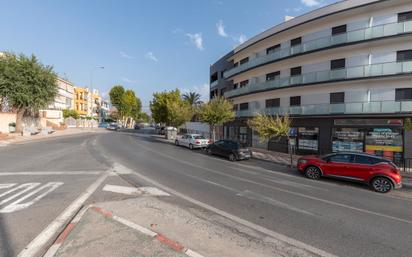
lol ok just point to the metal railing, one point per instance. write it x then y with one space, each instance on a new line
406 165
362 71
340 108
359 35
214 83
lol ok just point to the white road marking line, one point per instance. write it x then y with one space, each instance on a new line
152 191
33 248
5 186
26 187
135 226
283 190
191 253
42 173
246 223
17 205
258 197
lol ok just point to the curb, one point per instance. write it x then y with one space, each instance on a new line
65 233
159 237
51 252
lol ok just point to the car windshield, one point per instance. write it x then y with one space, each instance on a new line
200 137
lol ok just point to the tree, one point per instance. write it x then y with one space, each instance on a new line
27 85
269 126
192 98
70 113
170 109
127 104
216 112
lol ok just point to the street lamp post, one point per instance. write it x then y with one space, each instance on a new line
91 88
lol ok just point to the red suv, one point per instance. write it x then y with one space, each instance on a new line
381 174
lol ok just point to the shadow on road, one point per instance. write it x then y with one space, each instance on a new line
6 249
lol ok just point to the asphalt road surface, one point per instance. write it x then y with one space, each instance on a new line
340 218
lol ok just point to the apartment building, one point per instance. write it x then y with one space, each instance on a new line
81 101
65 95
342 72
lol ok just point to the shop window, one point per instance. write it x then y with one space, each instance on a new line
347 139
243 106
403 56
270 103
273 76
338 30
405 16
295 41
337 64
402 94
244 60
295 71
337 98
243 83
273 49
308 139
295 101
385 142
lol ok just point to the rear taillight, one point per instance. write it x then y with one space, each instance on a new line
197 142
209 141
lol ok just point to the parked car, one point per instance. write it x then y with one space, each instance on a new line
381 174
193 141
113 126
136 126
229 149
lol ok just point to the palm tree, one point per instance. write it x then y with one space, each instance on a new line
192 98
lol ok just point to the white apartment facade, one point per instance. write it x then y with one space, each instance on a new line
342 72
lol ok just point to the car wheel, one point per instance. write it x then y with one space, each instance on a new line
313 172
232 157
190 146
177 142
381 185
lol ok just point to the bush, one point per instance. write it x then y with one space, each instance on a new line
70 113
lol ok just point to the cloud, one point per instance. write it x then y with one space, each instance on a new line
202 89
295 9
151 56
311 3
196 39
129 81
240 39
125 55
221 29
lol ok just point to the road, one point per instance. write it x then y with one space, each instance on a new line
337 217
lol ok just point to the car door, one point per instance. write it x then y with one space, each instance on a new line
362 167
218 147
183 140
337 164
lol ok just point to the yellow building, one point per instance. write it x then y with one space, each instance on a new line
81 101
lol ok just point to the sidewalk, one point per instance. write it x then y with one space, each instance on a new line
6 139
153 227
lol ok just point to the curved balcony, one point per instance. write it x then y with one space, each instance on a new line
360 35
356 72
378 107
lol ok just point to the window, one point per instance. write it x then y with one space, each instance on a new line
273 49
243 83
272 102
345 158
244 106
405 16
336 98
338 30
235 107
222 73
214 77
296 71
236 64
362 159
403 94
273 75
222 91
235 86
337 64
402 56
295 101
244 60
296 41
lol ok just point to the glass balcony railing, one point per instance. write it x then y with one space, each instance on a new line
329 109
214 83
384 30
363 71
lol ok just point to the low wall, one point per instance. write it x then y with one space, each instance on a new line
5 119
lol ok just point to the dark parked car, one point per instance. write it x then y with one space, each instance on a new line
229 149
113 126
381 174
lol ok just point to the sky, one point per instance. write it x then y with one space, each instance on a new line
145 45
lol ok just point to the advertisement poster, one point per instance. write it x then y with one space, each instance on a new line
308 139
